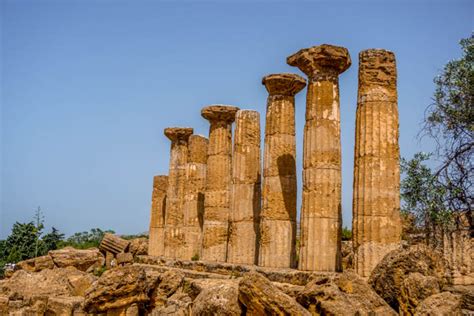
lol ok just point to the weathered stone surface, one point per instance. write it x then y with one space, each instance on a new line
194 195
347 254
415 288
174 218
113 244
138 246
216 298
82 259
179 304
36 264
261 297
246 189
64 305
168 283
117 288
218 184
156 242
444 303
376 221
342 294
321 219
24 285
278 223
388 276
124 258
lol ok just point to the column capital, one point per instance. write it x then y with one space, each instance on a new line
377 67
178 133
219 112
283 84
160 182
321 60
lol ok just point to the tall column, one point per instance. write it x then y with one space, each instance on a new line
218 184
246 190
278 219
174 219
376 202
321 219
194 195
156 245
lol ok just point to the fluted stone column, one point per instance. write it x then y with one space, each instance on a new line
174 218
194 195
156 244
278 219
246 190
376 202
219 180
321 219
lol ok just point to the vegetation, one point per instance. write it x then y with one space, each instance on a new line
346 233
434 195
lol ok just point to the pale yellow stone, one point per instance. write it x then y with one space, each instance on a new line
156 244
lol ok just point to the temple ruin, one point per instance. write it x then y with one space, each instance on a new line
217 205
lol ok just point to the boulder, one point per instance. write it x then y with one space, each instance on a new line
444 303
216 297
64 305
24 285
178 304
167 284
261 297
82 259
347 253
342 294
138 246
117 288
388 276
36 264
415 288
124 258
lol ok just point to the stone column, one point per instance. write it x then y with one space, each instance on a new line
174 219
194 196
321 219
218 184
246 190
376 220
156 245
278 219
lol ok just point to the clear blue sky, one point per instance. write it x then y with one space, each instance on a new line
89 86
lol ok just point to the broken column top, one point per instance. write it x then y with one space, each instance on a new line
197 149
321 59
219 112
283 84
160 182
178 133
377 67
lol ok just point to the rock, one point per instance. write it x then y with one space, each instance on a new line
387 278
64 305
444 303
3 305
467 295
138 246
342 294
117 288
82 259
216 297
179 304
168 284
261 297
36 264
415 288
124 258
347 253
24 285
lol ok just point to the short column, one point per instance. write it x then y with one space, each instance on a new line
156 245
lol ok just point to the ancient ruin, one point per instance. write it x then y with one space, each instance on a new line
196 169
174 218
217 196
321 218
278 219
246 190
156 245
376 198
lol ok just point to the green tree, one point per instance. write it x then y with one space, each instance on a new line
52 240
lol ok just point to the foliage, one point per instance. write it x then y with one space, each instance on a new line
53 240
433 195
346 233
84 240
195 257
130 237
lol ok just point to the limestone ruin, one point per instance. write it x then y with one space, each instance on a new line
376 198
219 209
